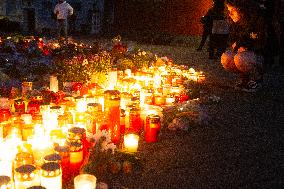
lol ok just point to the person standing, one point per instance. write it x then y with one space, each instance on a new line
62 10
207 27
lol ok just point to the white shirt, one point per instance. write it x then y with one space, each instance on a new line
63 10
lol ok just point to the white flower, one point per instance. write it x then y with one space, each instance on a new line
97 136
111 146
104 146
106 135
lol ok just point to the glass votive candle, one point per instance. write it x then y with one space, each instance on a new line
64 152
131 142
51 175
27 118
85 181
201 78
6 182
152 128
26 176
76 153
23 158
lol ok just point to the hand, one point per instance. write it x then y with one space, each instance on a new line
234 45
241 49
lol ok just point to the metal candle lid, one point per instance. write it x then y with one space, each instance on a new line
5 182
112 94
75 146
52 158
25 172
94 107
50 169
76 133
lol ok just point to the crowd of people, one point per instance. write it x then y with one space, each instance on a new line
247 36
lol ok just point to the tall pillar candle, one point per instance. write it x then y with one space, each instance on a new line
53 82
112 112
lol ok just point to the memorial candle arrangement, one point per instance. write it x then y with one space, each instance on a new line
126 109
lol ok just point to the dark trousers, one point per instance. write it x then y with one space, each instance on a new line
218 43
62 26
205 34
281 48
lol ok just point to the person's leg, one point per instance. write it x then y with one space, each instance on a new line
281 48
205 34
222 44
211 46
58 29
65 29
251 68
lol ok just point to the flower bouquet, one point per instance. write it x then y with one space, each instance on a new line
107 161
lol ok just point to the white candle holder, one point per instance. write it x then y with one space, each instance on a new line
51 175
131 142
85 181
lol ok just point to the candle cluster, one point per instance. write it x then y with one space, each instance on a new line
43 144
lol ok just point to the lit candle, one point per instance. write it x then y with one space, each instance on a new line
76 153
112 78
6 182
81 105
201 77
27 118
85 181
51 175
131 142
64 152
41 146
26 176
112 112
53 83
128 72
152 128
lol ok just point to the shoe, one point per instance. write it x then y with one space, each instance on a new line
252 86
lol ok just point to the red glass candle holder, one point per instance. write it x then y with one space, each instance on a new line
152 128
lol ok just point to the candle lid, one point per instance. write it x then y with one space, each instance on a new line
25 169
50 169
62 149
52 157
77 130
112 94
94 107
25 172
78 98
75 146
5 180
55 107
36 187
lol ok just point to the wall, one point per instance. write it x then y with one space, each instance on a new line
166 16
